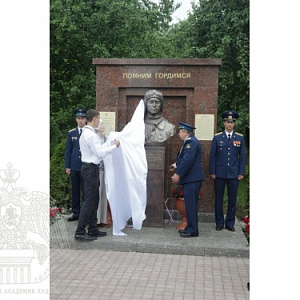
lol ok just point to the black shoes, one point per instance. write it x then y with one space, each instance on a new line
90 236
187 235
98 233
230 228
85 237
181 231
71 219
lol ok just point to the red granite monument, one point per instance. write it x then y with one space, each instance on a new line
190 93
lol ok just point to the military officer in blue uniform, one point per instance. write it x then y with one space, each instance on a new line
190 175
73 163
227 163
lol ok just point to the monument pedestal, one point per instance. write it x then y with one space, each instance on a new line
155 186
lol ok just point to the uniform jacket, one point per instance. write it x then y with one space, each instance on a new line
227 159
189 161
72 152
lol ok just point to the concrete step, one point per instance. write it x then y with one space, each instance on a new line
165 240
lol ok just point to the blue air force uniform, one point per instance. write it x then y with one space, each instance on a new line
227 161
73 162
191 176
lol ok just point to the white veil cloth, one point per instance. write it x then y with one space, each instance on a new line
126 174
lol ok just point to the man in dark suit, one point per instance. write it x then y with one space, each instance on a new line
73 163
227 164
190 175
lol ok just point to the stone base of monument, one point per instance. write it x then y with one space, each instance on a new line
155 186
202 217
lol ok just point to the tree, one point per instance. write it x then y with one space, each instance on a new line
81 30
220 29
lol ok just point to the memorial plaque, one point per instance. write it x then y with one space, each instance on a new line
204 124
109 121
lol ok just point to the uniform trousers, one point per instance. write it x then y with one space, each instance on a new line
232 188
77 184
191 196
88 212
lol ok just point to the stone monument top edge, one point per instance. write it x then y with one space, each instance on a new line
158 61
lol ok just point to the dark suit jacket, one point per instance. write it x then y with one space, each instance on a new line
72 152
189 161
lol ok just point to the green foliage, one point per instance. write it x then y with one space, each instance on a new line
81 30
60 185
243 193
220 29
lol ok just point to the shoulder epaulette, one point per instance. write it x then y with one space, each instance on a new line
239 134
72 130
219 133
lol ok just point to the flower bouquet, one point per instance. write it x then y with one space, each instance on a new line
178 192
246 227
55 214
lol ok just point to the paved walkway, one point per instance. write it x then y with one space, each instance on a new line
152 263
115 275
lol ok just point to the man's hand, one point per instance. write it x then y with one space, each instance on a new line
213 176
240 177
175 178
117 143
171 168
68 171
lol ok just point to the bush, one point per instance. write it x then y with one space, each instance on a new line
60 184
243 194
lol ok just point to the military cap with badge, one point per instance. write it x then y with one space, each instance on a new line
186 126
79 112
230 116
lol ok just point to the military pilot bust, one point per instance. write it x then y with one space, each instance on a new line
157 129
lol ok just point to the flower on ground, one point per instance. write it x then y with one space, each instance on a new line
246 228
55 213
178 192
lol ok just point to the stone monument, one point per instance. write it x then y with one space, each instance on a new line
190 92
157 131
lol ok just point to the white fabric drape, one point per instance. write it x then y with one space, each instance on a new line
126 174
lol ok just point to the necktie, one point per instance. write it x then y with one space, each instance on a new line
80 132
228 137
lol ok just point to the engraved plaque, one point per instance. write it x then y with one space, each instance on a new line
155 158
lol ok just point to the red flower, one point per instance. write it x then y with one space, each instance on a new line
178 192
55 211
246 219
248 228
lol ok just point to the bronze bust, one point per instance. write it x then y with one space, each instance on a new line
157 129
